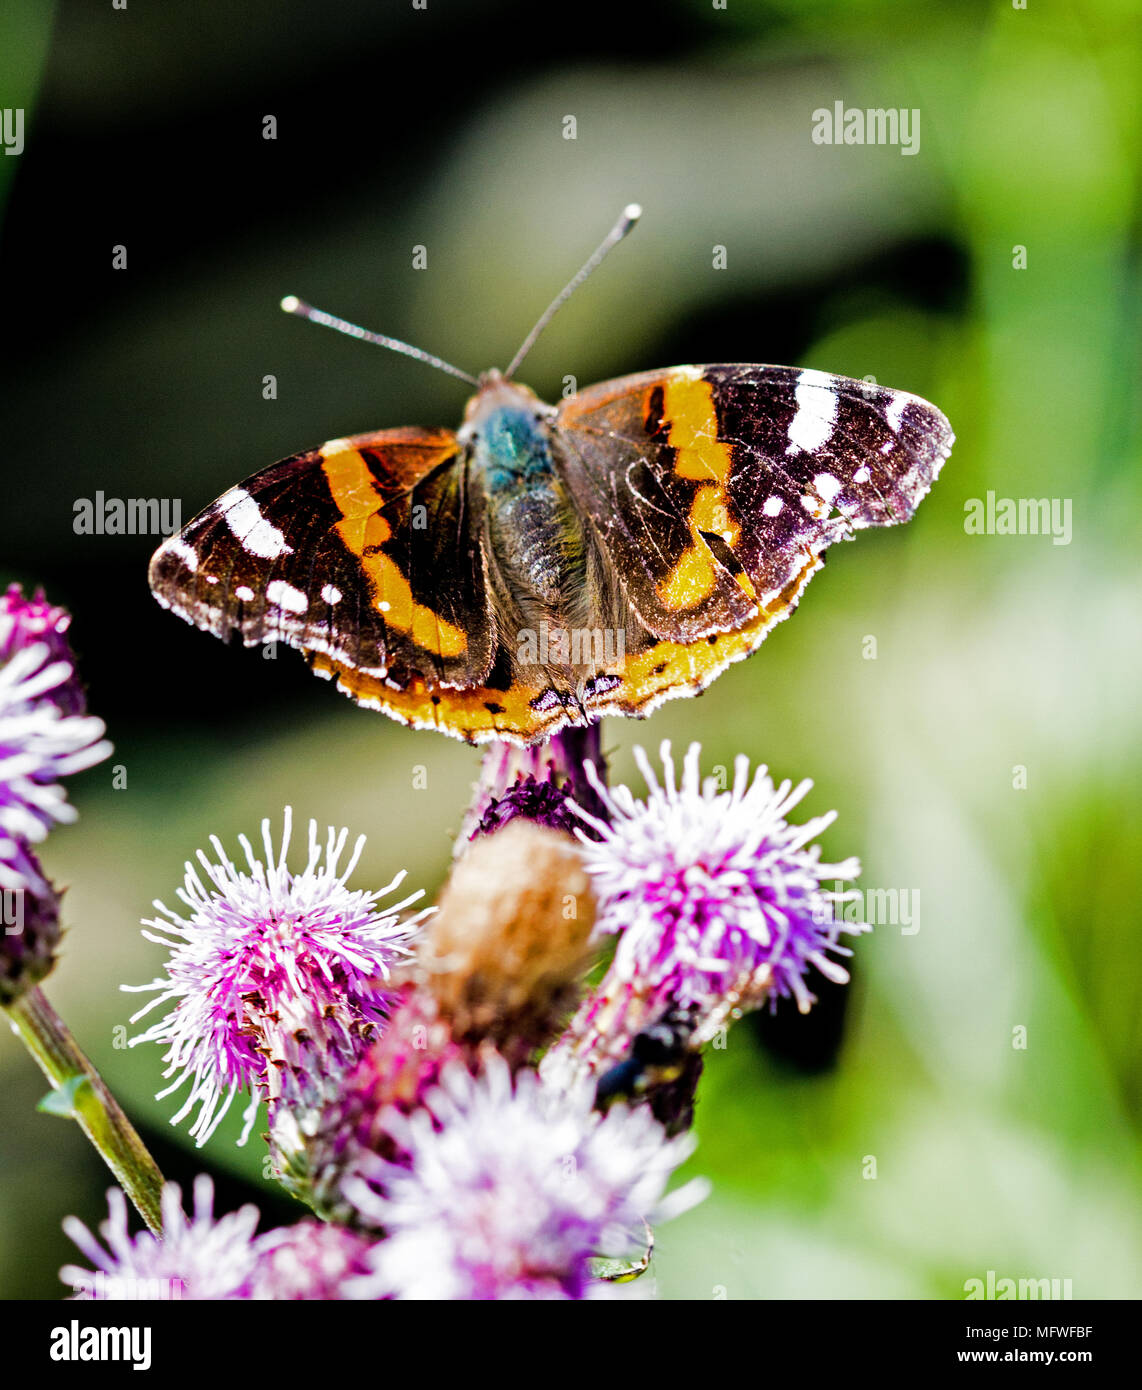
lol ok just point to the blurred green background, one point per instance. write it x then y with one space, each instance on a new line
444 128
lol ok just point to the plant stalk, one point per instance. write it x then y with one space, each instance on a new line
99 1114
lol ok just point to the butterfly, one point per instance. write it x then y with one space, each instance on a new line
543 566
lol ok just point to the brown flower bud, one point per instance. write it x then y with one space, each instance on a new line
499 968
505 954
29 926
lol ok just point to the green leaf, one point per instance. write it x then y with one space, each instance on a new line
63 1100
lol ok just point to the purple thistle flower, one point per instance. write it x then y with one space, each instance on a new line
714 895
545 802
21 870
507 1189
537 783
200 1258
311 1259
26 622
43 735
276 978
212 1258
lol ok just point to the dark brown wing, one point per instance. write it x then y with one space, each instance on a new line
363 554
713 487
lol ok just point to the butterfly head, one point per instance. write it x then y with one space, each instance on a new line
496 400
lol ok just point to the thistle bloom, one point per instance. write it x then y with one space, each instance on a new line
714 894
499 968
543 801
276 978
25 622
309 1260
43 733
507 1188
212 1258
199 1258
317 1152
538 784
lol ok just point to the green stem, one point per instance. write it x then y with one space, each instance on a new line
100 1116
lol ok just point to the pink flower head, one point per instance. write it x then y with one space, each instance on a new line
276 978
43 733
311 1259
201 1258
508 1186
714 893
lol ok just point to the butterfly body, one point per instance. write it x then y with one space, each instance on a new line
543 566
535 540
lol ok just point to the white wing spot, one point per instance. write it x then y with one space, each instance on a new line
244 593
177 546
384 605
812 426
895 411
284 595
331 594
862 475
827 486
772 506
246 522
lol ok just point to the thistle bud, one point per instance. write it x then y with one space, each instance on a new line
498 971
504 955
29 924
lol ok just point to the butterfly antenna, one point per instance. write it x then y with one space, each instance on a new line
628 217
292 305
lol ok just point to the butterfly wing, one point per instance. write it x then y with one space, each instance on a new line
362 554
716 491
709 493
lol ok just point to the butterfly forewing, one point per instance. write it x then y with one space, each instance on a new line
362 551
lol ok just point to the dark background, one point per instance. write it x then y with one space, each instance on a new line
443 128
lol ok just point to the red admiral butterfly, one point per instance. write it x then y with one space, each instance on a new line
543 565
